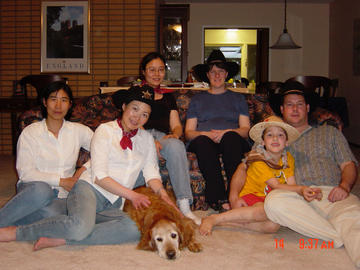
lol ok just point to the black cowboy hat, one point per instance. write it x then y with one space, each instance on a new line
217 58
296 88
144 93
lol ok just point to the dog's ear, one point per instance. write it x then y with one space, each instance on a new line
146 242
186 232
181 233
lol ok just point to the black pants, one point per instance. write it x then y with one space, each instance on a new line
232 147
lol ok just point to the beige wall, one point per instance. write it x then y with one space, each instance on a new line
307 23
342 15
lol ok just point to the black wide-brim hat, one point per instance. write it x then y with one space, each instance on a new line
276 100
216 57
143 93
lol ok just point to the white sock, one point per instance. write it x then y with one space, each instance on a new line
185 209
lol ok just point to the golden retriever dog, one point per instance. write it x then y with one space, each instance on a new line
162 228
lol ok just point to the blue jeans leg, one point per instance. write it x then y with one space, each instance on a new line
82 204
79 228
29 198
117 231
140 181
174 152
113 226
55 208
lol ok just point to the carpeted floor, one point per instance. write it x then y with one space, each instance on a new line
226 249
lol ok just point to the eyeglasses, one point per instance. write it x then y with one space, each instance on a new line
153 70
220 72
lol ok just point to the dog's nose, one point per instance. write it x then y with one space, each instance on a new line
171 254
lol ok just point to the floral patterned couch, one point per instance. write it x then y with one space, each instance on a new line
96 109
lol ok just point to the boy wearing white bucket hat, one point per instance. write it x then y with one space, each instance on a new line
269 166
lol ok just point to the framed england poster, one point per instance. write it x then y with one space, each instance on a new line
65 36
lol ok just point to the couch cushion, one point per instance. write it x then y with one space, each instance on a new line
94 110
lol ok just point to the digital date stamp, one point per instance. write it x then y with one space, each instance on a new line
314 243
310 243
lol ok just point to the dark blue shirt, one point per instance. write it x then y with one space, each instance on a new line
217 111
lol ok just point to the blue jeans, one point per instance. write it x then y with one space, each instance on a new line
33 201
174 152
78 227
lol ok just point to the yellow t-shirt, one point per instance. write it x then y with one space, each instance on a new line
259 172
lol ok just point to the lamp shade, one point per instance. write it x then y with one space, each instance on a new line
285 42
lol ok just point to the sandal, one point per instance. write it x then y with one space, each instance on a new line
223 209
219 206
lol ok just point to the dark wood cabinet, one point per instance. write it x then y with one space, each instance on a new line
172 41
15 106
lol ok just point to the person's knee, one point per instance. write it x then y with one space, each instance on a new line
174 147
82 188
202 144
234 140
81 219
274 203
231 135
202 140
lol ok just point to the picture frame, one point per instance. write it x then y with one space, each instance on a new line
65 33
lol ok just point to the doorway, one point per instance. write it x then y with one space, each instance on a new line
248 47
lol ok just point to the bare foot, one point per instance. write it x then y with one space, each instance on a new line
8 234
206 225
45 242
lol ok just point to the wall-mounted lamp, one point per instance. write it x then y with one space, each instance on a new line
285 41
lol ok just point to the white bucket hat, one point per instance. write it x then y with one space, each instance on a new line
257 131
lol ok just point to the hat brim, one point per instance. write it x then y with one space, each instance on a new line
201 70
124 96
119 98
257 131
311 98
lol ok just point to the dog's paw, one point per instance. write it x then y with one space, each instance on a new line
195 247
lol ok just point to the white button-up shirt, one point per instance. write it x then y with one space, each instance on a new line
108 159
43 157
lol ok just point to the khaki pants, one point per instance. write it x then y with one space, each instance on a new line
338 222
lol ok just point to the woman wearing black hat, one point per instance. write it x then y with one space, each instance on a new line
217 123
120 149
165 126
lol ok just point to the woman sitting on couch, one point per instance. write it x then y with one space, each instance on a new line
165 126
217 123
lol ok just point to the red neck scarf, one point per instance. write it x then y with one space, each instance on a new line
158 89
125 141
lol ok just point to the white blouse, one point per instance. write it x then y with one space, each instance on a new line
43 157
108 159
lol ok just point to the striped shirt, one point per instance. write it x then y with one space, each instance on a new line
318 153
